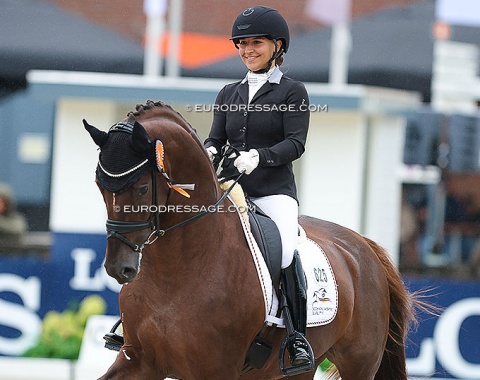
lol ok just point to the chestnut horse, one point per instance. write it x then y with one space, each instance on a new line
191 303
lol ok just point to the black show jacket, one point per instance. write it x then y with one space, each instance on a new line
275 123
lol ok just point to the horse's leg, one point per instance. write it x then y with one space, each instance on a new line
355 362
358 354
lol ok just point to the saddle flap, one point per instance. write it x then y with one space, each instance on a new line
266 233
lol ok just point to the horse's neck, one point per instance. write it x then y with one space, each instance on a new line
216 220
200 239
205 249
188 161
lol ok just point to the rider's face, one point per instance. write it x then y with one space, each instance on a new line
256 52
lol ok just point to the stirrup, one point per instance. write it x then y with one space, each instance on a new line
295 370
114 341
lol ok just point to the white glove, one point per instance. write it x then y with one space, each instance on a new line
211 151
247 161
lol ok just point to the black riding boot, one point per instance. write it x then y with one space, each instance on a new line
294 287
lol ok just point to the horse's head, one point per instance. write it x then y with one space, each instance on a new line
132 177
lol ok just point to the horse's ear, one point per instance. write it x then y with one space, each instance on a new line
140 140
98 136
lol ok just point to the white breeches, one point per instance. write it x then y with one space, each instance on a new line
284 212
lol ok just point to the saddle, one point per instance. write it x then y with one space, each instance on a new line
268 239
263 228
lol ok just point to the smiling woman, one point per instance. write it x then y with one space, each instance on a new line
261 35
256 52
268 141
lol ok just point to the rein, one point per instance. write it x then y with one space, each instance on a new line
117 228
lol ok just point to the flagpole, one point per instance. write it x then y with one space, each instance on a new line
337 14
175 26
155 12
341 43
339 53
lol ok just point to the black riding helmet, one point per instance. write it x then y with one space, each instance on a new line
261 21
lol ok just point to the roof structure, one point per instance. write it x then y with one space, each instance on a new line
38 35
391 48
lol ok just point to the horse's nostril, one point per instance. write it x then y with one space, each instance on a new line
129 273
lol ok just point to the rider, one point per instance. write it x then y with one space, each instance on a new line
265 117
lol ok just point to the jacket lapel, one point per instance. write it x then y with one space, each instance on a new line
243 92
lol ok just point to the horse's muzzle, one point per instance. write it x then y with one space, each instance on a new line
123 271
124 264
124 274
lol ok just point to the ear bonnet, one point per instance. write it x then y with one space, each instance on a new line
126 154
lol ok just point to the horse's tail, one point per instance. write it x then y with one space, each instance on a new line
402 313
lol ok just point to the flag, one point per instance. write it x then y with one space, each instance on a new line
458 12
328 12
155 8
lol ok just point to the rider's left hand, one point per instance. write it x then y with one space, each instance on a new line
247 161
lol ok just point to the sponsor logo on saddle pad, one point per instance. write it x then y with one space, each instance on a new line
322 295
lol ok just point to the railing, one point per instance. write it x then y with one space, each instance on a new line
38 243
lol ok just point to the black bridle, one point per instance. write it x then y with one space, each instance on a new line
118 228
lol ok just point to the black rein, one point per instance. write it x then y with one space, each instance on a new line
117 228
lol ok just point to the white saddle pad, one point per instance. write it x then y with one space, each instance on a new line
322 294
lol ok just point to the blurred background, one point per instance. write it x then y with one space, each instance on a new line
393 151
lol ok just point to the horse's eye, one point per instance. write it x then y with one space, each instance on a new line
143 190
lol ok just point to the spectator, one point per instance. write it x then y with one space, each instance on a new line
12 224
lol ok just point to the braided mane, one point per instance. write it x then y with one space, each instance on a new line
162 109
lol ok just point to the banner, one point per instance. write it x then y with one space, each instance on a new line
155 8
328 12
458 12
